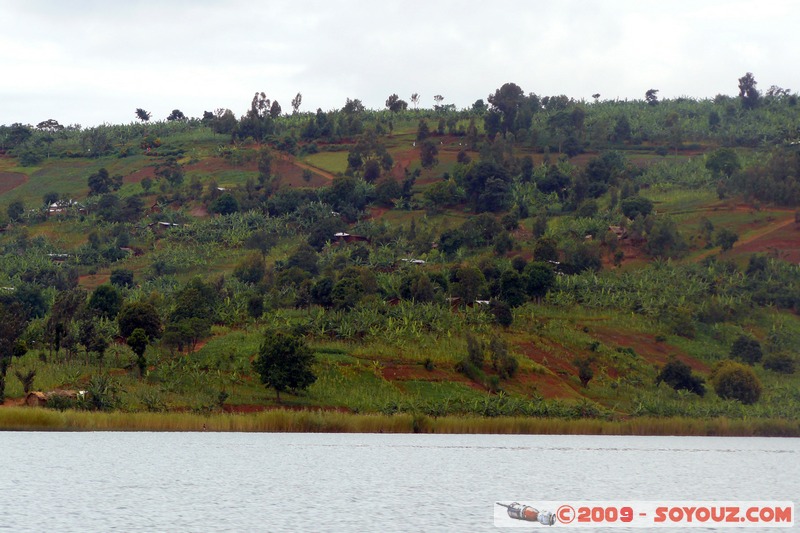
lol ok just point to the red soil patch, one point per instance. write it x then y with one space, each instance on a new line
402 161
416 372
783 242
199 211
92 282
11 180
646 346
376 212
13 402
210 165
138 175
399 372
549 385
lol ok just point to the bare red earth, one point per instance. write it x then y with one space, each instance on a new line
11 180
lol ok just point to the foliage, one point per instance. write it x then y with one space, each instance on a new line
284 363
746 349
139 315
635 206
737 382
678 375
782 363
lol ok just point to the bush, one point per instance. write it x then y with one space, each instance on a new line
735 381
466 367
585 371
746 349
635 206
503 363
782 363
678 375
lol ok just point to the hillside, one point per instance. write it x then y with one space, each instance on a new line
535 256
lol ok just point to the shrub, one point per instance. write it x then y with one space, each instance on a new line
585 371
782 363
746 349
503 362
475 349
103 392
466 367
736 381
678 375
635 206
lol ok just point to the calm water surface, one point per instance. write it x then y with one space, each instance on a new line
92 482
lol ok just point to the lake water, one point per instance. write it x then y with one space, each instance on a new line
93 482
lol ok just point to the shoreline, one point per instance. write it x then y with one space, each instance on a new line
316 421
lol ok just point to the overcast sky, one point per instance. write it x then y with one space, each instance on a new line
88 62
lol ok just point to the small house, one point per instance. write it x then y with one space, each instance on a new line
346 237
62 207
36 399
619 231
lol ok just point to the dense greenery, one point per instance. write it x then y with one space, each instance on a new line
531 256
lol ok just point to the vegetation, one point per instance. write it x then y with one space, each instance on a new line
529 257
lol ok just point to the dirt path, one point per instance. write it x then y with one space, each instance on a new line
753 236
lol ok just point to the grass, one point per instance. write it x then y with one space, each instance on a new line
316 421
334 162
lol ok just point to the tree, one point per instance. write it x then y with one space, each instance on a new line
261 240
225 205
415 100
734 381
138 342
106 301
142 115
678 375
746 349
512 288
15 210
651 96
122 277
748 93
171 170
284 363
539 278
502 313
428 153
438 99
13 322
296 101
102 183
585 371
26 378
275 109
176 114
264 166
506 103
395 104
723 163
469 283
250 269
664 239
142 315
487 186
634 206
725 238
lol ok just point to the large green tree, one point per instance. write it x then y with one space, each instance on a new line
748 93
142 315
284 363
